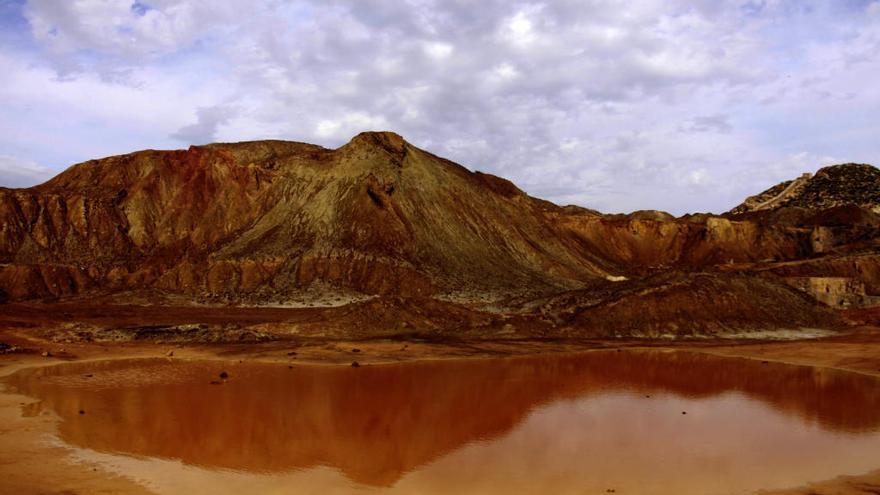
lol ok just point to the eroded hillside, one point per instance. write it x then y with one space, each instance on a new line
273 222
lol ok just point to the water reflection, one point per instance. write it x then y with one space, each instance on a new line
377 423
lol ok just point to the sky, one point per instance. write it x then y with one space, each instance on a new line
683 106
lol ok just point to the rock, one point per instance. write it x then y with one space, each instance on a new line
215 382
291 353
46 354
224 375
355 364
355 350
169 353
837 292
81 411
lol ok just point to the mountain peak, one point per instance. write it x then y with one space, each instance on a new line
847 169
390 141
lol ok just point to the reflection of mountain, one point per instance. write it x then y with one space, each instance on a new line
378 422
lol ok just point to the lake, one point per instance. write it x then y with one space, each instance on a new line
639 422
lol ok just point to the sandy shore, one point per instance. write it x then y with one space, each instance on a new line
29 451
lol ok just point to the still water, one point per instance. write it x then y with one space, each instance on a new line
633 422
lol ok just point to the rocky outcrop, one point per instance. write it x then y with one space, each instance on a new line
864 268
838 292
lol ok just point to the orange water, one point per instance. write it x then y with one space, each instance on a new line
556 424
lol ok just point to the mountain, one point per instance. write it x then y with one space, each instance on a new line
264 219
850 184
296 224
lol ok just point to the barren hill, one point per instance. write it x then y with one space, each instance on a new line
287 223
265 219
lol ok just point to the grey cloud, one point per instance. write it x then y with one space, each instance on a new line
709 123
204 130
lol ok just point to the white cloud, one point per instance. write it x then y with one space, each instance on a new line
204 130
123 27
697 177
519 29
438 50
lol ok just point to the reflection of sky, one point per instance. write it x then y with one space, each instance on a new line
687 105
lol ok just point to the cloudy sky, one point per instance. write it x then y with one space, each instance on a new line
645 104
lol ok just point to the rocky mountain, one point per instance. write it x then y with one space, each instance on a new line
297 224
850 184
265 219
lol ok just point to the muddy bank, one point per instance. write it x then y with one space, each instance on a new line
33 461
867 484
